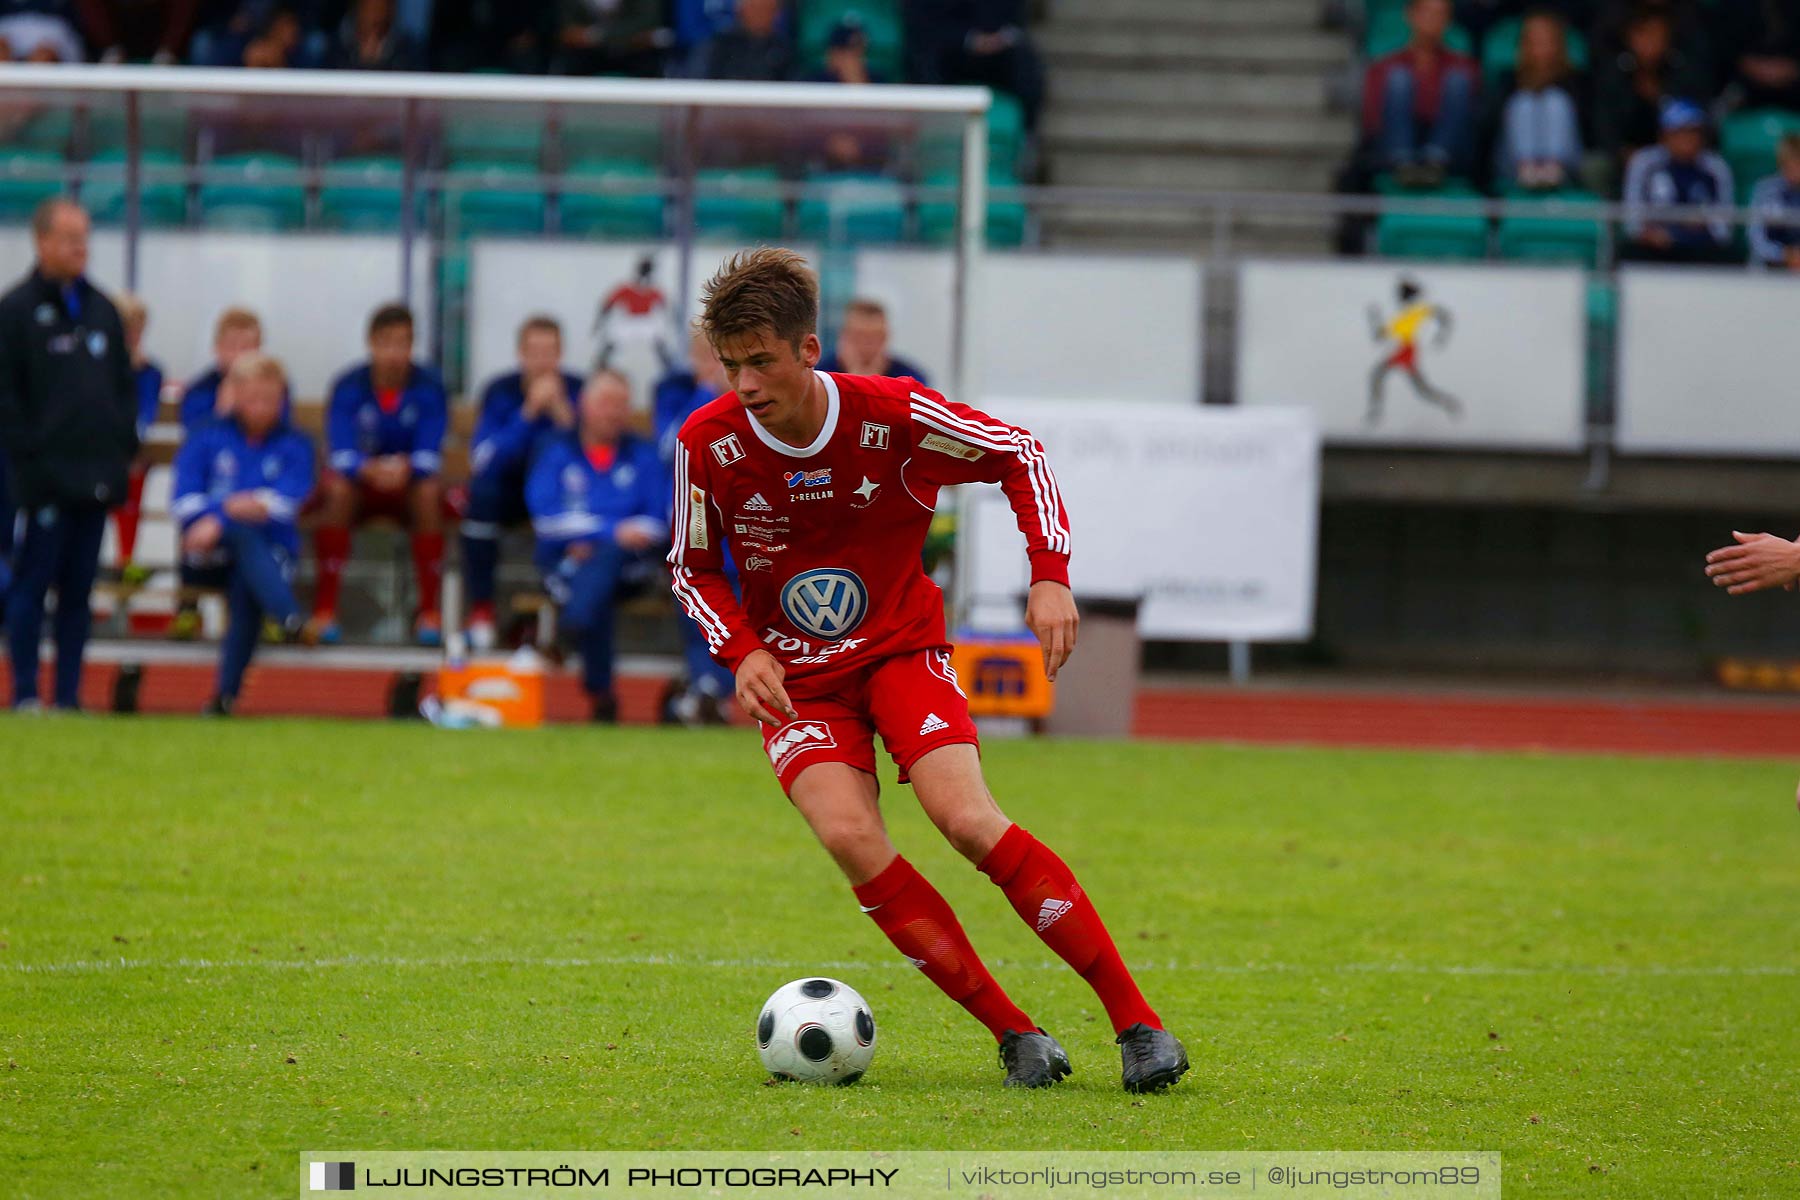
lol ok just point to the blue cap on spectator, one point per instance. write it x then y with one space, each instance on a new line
1680 114
847 32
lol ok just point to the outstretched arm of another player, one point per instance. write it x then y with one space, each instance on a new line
1050 615
1756 562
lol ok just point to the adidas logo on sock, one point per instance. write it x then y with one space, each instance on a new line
1051 911
756 503
932 724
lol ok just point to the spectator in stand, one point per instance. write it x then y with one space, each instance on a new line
756 48
1631 85
129 30
68 424
520 411
1538 136
846 55
39 31
263 33
239 485
699 698
370 39
862 345
1776 200
148 378
1679 173
492 35
612 37
1761 43
976 41
1419 102
384 427
1479 16
599 503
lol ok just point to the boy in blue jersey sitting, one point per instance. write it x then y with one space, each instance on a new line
238 331
239 484
520 411
385 432
599 504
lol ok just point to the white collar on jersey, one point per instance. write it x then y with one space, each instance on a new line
819 443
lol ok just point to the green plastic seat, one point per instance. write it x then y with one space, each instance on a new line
637 142
880 21
259 191
49 129
737 203
941 150
1006 214
475 143
627 213
1562 230
1388 32
853 208
162 198
1748 139
364 194
158 129
1431 235
27 178
479 200
1500 49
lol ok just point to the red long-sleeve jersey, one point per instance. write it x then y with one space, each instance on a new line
828 538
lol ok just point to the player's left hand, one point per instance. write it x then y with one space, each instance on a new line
1758 561
1050 615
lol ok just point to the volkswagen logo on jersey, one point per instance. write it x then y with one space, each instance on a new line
828 602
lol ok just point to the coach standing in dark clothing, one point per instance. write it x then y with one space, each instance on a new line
68 428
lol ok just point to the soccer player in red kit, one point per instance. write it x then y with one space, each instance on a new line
822 488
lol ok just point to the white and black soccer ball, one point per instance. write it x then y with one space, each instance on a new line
816 1031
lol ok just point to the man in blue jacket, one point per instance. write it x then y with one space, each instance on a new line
384 429
520 411
599 505
239 484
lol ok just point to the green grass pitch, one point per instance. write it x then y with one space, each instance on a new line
222 945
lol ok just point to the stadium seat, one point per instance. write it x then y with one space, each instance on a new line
158 129
48 130
1389 32
941 150
478 200
259 191
1006 214
472 143
880 21
1500 49
726 207
852 208
1431 235
638 142
28 177
364 194
618 214
1563 229
1748 139
162 198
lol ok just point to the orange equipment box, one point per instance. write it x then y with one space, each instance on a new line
1004 677
513 694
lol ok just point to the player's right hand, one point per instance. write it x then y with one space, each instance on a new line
759 689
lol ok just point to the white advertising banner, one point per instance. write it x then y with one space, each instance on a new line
1416 354
1708 362
314 293
1208 515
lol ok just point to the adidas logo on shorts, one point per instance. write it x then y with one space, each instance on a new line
1051 911
756 503
932 724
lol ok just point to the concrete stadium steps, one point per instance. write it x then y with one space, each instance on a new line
1199 95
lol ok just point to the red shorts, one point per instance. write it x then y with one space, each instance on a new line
373 503
1406 357
911 700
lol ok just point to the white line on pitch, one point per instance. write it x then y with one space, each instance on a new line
105 965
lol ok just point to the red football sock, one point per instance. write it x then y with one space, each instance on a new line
920 924
1044 892
127 514
331 546
428 565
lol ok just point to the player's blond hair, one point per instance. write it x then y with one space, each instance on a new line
236 318
767 288
255 366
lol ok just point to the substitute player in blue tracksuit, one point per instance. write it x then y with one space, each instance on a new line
678 395
599 505
520 411
239 484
